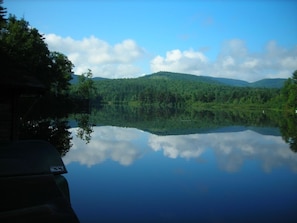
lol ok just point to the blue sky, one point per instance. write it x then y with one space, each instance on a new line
247 40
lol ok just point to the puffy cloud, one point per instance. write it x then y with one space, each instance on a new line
103 59
188 61
233 61
228 61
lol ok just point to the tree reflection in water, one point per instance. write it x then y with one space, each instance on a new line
288 128
84 127
168 121
160 121
53 131
49 121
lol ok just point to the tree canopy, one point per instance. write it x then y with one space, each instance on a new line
173 93
289 92
24 53
2 14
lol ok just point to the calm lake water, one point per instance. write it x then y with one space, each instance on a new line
228 174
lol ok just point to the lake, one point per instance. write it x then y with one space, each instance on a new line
220 173
156 164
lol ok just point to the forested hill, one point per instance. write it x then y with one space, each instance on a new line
173 89
264 83
163 75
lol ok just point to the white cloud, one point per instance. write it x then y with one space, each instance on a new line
228 61
250 63
177 61
234 60
105 60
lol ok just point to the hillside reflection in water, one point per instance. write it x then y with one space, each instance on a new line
231 175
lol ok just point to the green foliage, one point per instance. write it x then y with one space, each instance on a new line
271 83
61 69
85 88
2 15
25 56
26 48
181 92
265 83
289 92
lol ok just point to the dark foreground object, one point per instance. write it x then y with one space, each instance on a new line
32 188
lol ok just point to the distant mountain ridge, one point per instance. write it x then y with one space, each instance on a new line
264 83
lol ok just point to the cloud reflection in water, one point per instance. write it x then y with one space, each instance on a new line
231 150
117 144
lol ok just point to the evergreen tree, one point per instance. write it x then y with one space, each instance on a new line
2 15
289 92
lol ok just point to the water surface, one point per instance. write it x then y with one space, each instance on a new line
231 174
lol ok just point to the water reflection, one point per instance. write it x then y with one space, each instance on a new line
121 145
53 130
230 149
181 167
228 175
